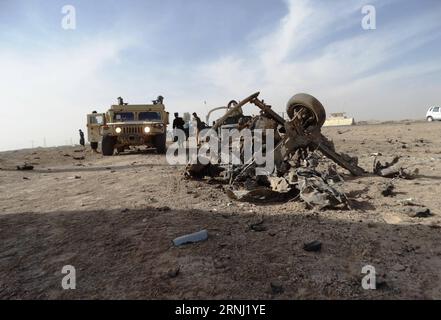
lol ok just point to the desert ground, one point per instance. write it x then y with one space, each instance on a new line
114 219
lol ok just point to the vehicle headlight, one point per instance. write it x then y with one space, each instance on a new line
147 129
118 130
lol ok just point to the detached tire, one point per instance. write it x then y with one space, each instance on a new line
306 101
108 145
160 143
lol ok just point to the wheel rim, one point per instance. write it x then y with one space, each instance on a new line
305 114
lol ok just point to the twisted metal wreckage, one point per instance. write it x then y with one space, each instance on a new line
296 142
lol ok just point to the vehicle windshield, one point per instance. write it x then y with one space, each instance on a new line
123 116
149 116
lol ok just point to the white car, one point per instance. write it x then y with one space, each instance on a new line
434 113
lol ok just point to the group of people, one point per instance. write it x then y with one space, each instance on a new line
179 124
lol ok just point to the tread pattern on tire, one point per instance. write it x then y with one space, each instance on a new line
308 102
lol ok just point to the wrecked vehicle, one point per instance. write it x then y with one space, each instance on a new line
297 142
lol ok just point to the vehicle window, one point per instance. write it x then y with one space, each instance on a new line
98 119
148 116
123 116
436 109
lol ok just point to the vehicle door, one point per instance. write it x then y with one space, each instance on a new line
94 122
436 111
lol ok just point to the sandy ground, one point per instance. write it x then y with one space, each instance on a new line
114 219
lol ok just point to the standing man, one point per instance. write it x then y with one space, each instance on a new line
178 124
81 137
198 126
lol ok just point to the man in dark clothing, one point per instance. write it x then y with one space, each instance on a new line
81 137
178 124
159 100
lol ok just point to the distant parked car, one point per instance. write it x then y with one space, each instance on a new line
434 113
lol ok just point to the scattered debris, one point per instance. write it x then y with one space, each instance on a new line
388 190
417 212
191 238
79 158
163 209
316 192
392 169
25 167
297 143
313 246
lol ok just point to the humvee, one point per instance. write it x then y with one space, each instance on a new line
125 125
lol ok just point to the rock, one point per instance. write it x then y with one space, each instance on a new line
407 202
191 238
398 267
163 209
125 210
258 227
25 167
313 246
388 190
79 158
173 272
380 283
276 287
25 178
417 212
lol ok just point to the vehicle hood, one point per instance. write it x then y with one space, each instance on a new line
133 123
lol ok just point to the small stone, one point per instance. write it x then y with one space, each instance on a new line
173 273
258 227
313 246
276 287
417 212
398 267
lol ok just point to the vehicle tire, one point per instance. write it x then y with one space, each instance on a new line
315 115
108 145
94 146
160 143
430 119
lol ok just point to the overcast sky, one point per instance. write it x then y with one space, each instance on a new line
211 50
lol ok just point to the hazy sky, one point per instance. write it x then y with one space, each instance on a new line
211 50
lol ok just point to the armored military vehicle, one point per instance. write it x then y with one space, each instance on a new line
125 125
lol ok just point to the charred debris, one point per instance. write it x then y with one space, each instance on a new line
300 151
